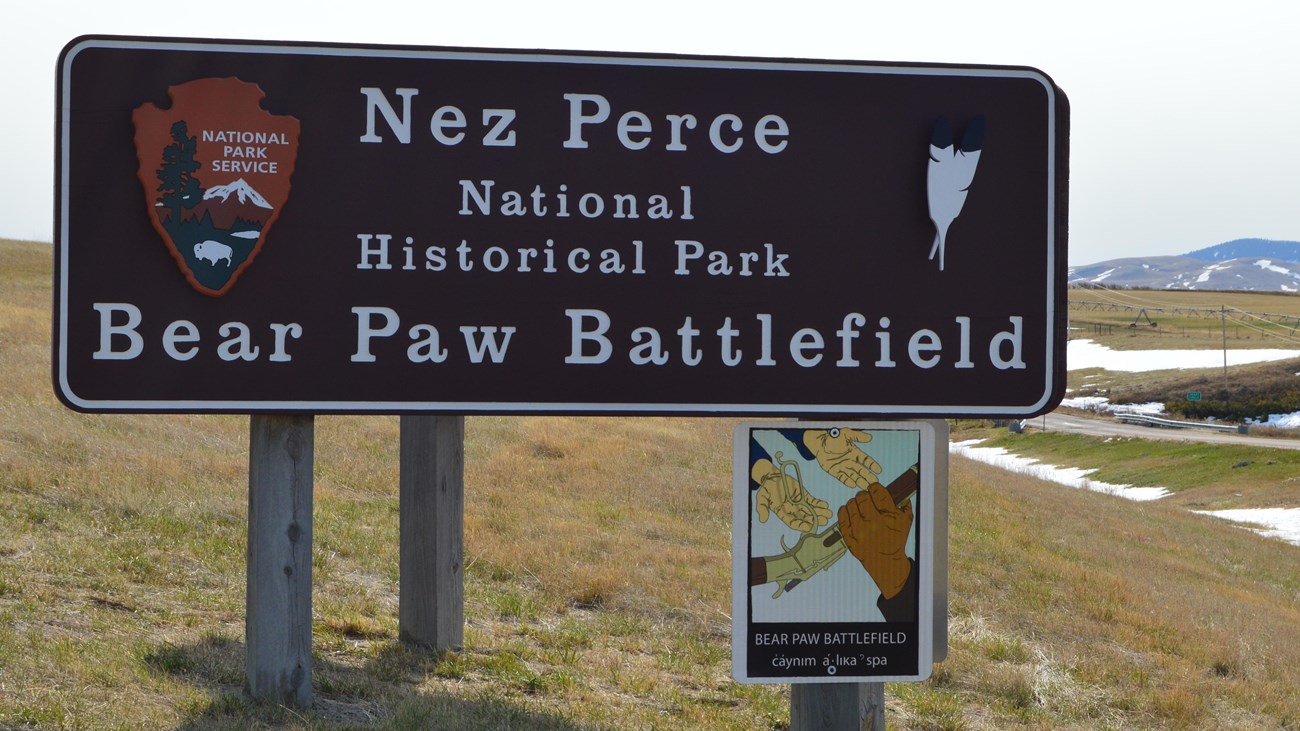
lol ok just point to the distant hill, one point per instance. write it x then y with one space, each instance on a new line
1248 264
1249 248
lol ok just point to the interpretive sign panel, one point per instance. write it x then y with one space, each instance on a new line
833 552
278 227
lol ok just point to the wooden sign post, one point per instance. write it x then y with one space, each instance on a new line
837 706
431 610
277 625
431 605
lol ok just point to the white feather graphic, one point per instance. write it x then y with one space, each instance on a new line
949 177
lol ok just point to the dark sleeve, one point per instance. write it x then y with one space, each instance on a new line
902 607
796 438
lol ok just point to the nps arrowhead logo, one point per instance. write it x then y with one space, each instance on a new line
215 168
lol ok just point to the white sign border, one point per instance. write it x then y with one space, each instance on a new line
76 46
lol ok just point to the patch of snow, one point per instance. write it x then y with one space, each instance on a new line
1103 404
1205 274
1084 402
1151 408
1268 266
1083 353
1281 421
1103 275
1068 476
1281 523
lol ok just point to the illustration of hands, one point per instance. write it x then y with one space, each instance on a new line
783 494
875 530
879 535
839 454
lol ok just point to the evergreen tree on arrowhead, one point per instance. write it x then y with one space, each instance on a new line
180 189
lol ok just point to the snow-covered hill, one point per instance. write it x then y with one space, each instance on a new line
1247 264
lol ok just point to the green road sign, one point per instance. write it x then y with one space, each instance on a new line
1193 395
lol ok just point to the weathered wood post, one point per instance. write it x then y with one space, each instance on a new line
837 707
277 624
431 603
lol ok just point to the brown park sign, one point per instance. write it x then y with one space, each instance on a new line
273 227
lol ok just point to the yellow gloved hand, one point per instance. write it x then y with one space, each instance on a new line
838 453
783 495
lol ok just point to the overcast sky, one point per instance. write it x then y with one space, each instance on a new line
1184 130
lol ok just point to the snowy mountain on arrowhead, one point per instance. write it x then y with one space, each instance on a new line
244 193
235 206
1243 264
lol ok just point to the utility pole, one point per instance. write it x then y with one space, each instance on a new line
1223 323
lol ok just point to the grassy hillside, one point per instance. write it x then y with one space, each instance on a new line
597 582
1199 476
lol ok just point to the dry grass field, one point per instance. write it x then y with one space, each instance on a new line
1139 319
1171 319
597 582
